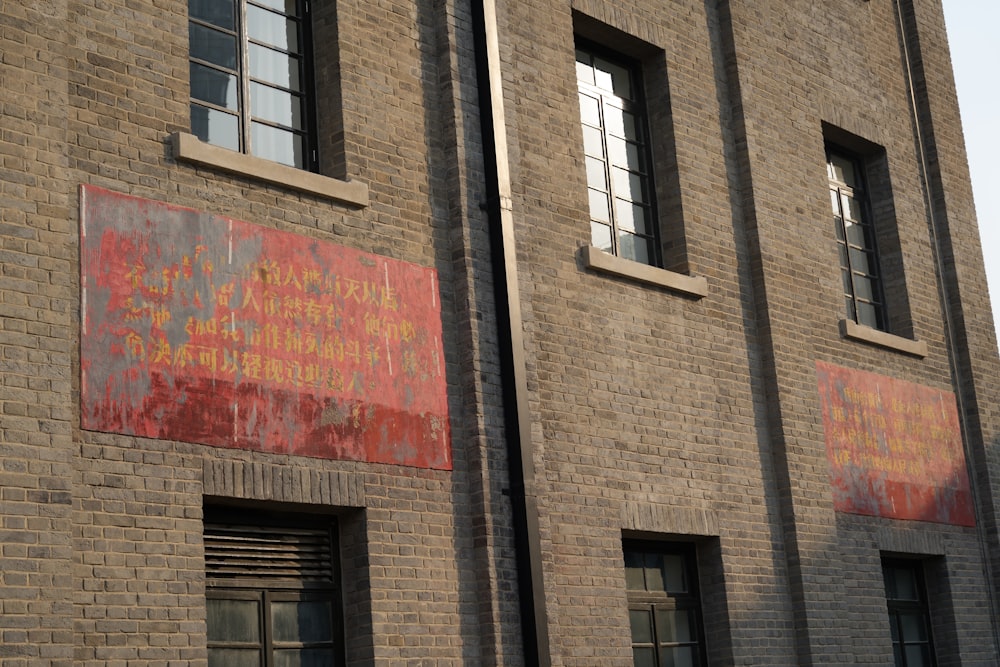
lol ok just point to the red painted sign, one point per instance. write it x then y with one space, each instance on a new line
206 329
894 447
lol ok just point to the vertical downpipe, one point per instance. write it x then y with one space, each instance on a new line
520 452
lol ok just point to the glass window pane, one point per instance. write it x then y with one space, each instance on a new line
624 154
913 627
856 235
304 657
643 657
276 106
233 620
674 625
678 656
674 576
233 657
863 288
287 6
848 285
859 261
214 86
593 141
918 656
842 169
642 627
212 46
302 621
632 217
636 248
620 123
633 571
903 581
278 145
584 71
612 77
596 176
215 127
600 209
600 237
852 208
835 201
629 185
217 12
590 110
867 315
274 29
274 67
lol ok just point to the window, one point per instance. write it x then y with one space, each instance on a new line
859 258
617 150
251 78
272 592
909 621
664 606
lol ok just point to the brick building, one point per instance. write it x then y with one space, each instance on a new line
453 333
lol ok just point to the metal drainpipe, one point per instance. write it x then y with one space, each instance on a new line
520 452
950 327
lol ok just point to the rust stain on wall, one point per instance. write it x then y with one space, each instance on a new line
894 447
211 330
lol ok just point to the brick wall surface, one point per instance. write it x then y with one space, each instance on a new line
652 414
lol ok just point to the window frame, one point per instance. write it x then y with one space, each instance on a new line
652 601
271 588
637 107
246 80
896 608
851 273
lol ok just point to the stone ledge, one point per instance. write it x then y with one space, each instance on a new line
854 331
598 260
189 148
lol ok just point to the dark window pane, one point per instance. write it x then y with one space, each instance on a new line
214 86
918 656
233 620
304 657
276 106
859 261
674 625
678 656
584 70
867 315
642 627
674 576
856 235
278 145
274 67
215 127
274 29
913 627
233 657
217 12
863 288
302 621
212 46
643 657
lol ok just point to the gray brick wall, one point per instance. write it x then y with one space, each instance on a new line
652 414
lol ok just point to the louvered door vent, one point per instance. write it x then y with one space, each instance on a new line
271 553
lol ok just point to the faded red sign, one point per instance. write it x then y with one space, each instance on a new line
894 447
206 329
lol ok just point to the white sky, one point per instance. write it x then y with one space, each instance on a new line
975 55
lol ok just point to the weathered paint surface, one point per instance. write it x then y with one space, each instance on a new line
894 447
205 329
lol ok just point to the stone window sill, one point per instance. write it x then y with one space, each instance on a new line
598 260
189 148
854 331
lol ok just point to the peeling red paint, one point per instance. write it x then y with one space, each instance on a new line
894 448
210 330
